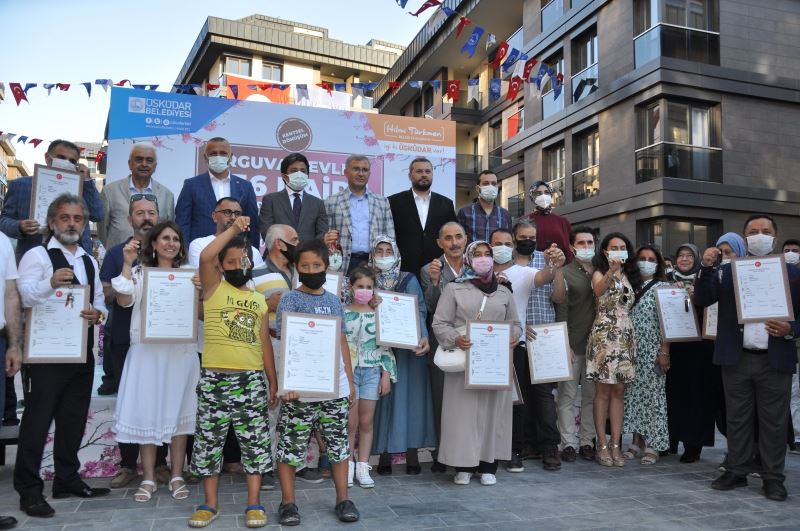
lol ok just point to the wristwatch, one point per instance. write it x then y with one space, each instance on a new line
788 337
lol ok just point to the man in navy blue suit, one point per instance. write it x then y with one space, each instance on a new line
199 195
758 360
15 222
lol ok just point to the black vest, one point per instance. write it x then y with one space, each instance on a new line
59 261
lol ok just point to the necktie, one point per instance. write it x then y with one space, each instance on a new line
296 206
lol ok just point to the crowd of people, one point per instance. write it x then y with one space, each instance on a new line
215 405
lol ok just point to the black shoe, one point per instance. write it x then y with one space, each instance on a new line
515 464
729 481
530 453
773 489
105 390
7 522
267 481
663 453
412 470
11 422
81 490
691 454
384 470
36 507
587 452
309 476
569 455
288 514
550 459
438 468
346 511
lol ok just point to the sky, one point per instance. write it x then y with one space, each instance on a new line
146 41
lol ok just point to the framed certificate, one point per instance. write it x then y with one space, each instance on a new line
49 183
761 287
548 354
710 315
333 282
397 320
676 315
489 364
516 393
55 332
310 355
169 305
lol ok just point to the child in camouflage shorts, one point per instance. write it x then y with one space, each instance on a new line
298 418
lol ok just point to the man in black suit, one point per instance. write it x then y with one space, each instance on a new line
758 360
418 215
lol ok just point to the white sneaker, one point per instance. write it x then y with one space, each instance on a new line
351 467
462 478
362 475
488 479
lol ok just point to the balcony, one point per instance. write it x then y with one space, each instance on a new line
586 183
516 205
677 42
557 186
550 106
679 161
466 163
551 13
584 82
495 158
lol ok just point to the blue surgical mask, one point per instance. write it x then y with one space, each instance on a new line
488 193
584 255
298 181
502 254
618 255
648 269
218 163
384 263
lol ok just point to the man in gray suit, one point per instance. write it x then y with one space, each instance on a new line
116 196
293 206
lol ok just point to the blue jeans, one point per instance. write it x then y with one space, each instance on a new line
3 346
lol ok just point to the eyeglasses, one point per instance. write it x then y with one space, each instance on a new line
147 197
228 213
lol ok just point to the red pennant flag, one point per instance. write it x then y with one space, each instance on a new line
560 77
122 83
100 156
212 86
19 94
62 86
265 86
394 85
325 85
529 64
426 5
514 87
463 23
453 88
502 50
35 142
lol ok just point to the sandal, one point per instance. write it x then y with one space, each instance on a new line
650 457
633 452
143 494
604 460
203 516
617 461
255 516
181 492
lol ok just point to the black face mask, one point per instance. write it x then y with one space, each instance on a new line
236 278
289 251
312 280
526 247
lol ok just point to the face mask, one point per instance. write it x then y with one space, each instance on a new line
543 201
362 296
236 278
289 251
668 271
62 164
648 269
482 264
335 261
312 281
218 163
584 255
384 263
297 181
502 254
526 247
725 261
792 257
618 255
760 244
488 193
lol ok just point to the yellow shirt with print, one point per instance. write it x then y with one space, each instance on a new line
232 329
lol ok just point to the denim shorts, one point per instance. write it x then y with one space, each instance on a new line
367 381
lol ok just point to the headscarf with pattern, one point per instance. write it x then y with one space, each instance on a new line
687 276
486 283
386 279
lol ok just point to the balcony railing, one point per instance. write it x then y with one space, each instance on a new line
551 13
466 163
680 161
550 106
516 205
586 183
462 102
557 186
584 82
676 42
495 158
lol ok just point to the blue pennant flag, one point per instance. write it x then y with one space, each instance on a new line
152 87
558 84
22 139
494 89
436 83
447 11
340 87
402 3
540 76
472 42
140 87
88 86
513 55
415 84
234 91
28 86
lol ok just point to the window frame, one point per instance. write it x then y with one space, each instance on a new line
249 62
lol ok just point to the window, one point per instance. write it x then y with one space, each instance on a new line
272 72
495 158
237 66
551 12
586 157
682 29
669 233
427 99
550 103
515 123
554 170
685 144
584 63
418 107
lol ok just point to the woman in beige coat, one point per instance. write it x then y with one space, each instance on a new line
476 423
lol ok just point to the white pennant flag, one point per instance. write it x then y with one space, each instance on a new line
490 40
472 90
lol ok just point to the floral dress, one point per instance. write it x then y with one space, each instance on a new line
646 398
364 349
610 352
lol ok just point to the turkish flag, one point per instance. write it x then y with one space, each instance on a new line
394 85
529 64
453 88
19 94
100 156
502 50
35 142
426 5
212 86
327 86
514 87
62 86
122 83
463 23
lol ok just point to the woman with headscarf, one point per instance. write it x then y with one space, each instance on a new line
476 423
693 381
404 418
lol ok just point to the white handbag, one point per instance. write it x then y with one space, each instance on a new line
454 360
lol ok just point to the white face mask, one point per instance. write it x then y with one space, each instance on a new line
335 261
543 201
298 181
218 163
62 164
792 257
760 244
488 192
384 263
584 255
648 269
502 254
618 255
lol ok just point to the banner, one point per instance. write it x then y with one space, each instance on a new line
261 134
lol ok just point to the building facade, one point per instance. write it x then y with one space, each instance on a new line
10 166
